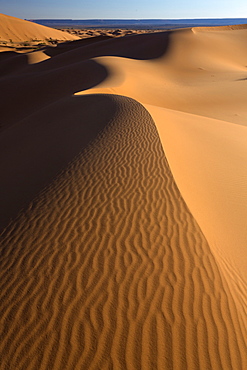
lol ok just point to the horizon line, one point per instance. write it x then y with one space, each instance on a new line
134 19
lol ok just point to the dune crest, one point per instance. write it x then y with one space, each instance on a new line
123 199
220 28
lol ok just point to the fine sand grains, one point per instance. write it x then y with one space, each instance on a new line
107 268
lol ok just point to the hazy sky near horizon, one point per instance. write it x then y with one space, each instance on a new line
125 9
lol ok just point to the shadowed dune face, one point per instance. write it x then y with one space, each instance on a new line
31 89
141 47
36 149
11 61
65 47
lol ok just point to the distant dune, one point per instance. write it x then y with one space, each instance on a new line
123 199
14 30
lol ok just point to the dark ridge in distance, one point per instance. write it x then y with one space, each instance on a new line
138 23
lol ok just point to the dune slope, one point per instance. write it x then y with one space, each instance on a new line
196 92
17 30
123 203
108 268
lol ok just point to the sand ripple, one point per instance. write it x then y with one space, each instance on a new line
107 268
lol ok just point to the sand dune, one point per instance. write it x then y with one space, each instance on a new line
123 199
20 30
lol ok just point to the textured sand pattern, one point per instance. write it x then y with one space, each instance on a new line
107 268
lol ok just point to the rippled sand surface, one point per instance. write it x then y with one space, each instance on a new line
123 203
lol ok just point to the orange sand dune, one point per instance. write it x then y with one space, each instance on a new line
17 30
123 203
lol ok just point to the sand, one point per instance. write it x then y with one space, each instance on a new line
124 201
14 31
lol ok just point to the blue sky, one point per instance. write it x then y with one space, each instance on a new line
124 9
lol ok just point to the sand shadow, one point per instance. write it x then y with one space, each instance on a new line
10 62
36 150
31 87
30 90
141 47
241 79
64 47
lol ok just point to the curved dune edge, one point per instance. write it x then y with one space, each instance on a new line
208 158
108 268
202 73
184 102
